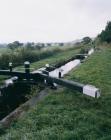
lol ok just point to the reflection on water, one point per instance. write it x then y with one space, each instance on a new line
65 69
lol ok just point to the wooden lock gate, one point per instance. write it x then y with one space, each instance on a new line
34 78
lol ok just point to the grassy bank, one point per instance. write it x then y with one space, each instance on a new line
67 114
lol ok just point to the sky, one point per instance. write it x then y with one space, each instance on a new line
52 20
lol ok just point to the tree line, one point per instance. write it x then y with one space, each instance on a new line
105 35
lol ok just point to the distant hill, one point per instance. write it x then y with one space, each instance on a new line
3 45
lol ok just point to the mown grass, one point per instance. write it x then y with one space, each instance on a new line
69 115
96 71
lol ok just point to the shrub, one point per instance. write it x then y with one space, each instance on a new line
24 54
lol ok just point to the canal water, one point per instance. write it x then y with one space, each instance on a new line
12 97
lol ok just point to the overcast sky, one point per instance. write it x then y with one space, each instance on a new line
52 20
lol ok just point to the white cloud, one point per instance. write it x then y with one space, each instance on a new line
52 20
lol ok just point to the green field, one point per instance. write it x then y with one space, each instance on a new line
67 114
4 50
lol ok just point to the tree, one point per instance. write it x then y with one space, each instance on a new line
105 35
14 45
39 46
30 45
87 40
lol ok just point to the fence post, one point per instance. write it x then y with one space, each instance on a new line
27 67
47 67
10 66
60 73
